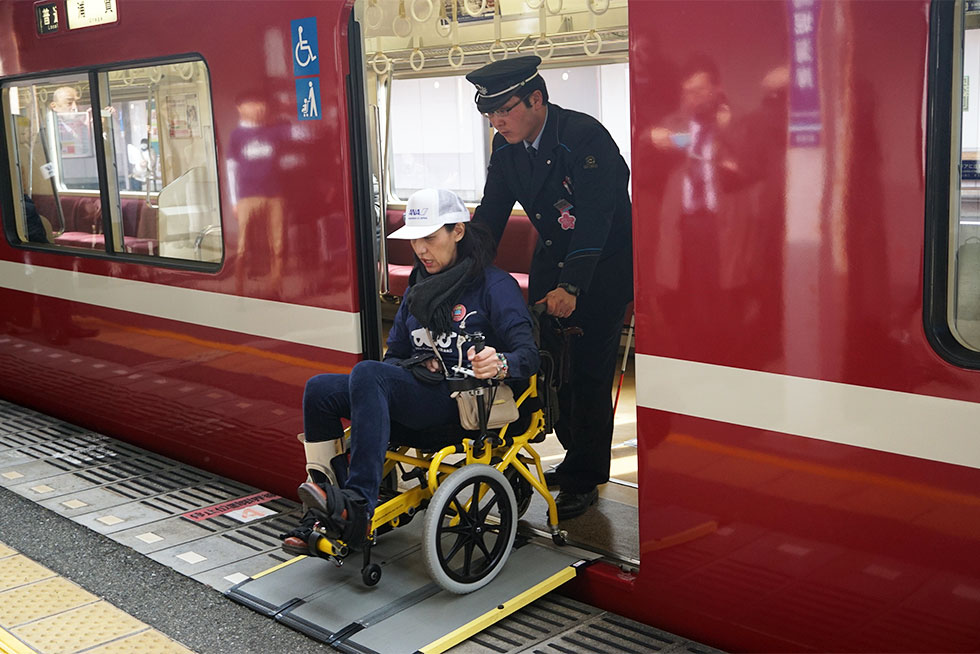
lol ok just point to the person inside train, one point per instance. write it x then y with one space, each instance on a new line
566 171
454 291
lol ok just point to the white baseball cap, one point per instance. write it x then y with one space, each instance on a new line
428 210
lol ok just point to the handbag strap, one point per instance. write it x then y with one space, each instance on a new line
432 344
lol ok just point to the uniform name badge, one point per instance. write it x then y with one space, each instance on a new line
566 219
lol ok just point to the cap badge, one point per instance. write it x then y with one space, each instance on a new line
481 89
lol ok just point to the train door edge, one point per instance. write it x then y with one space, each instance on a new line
365 233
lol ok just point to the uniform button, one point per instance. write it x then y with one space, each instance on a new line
537 216
561 264
548 242
548 162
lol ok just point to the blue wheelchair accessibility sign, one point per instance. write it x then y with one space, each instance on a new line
306 59
308 99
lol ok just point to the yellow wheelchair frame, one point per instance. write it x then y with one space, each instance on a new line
500 455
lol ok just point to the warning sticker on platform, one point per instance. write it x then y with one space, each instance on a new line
89 13
251 513
237 507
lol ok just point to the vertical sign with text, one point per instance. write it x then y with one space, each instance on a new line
804 91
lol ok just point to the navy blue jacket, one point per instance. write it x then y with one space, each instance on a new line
576 195
493 306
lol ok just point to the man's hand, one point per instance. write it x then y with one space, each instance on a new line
485 363
560 303
433 365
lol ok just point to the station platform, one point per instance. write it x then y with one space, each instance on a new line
135 552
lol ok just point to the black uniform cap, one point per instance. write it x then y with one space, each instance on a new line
500 80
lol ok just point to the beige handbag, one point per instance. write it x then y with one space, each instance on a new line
503 411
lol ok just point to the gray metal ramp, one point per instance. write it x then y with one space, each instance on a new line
406 612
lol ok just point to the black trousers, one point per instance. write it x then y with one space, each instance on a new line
585 424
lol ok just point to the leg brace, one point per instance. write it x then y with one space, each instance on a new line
319 456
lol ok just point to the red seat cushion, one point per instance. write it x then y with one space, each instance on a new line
513 254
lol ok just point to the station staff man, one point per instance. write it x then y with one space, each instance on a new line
566 171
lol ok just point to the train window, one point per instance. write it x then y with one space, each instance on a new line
52 142
964 225
154 160
457 158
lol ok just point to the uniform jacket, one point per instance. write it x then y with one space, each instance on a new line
492 306
576 194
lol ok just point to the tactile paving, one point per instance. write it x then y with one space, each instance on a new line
18 570
43 598
78 629
148 642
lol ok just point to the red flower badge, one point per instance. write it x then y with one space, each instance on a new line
566 220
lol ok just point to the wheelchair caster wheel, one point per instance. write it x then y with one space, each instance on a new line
371 575
560 538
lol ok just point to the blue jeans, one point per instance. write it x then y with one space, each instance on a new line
372 396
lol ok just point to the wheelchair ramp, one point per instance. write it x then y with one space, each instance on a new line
406 612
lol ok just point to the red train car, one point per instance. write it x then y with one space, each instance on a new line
193 217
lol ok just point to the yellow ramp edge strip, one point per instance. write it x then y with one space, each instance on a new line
10 644
490 617
277 567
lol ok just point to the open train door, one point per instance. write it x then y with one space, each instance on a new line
423 130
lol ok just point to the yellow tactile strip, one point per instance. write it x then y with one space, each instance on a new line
42 613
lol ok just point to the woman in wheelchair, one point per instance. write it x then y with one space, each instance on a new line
453 290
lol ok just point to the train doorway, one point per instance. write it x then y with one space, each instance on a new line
423 130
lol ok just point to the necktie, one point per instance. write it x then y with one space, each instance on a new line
532 152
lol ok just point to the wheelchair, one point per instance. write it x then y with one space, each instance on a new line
473 490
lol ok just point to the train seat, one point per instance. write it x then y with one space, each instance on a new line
83 221
513 254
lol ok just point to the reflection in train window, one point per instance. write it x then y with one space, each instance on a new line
964 300
156 160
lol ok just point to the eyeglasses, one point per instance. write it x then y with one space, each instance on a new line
503 111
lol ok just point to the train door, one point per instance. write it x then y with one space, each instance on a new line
424 131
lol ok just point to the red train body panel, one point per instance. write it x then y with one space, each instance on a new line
806 476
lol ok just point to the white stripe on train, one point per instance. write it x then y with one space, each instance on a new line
923 426
326 328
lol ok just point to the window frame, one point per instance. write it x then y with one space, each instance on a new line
109 192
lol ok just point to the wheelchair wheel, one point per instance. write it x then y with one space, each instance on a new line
523 492
469 529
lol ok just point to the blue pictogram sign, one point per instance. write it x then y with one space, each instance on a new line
306 59
308 98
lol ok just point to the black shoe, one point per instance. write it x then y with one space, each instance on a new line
572 505
342 513
551 479
294 541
